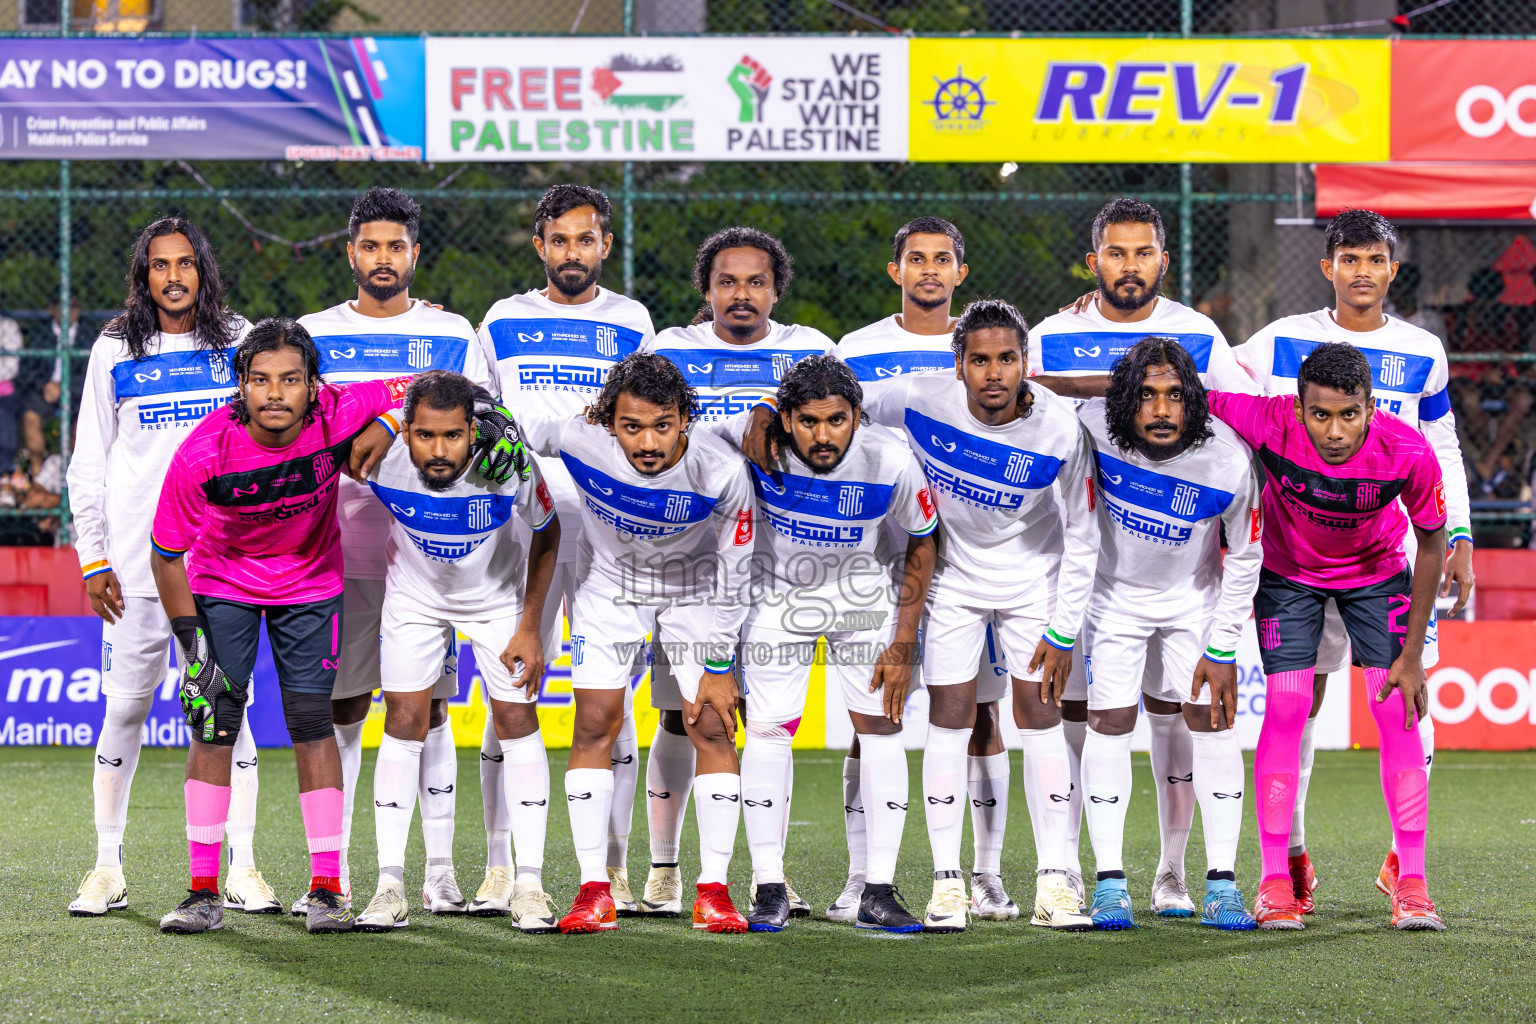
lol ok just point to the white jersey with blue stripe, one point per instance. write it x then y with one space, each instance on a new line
1160 562
354 347
134 414
454 552
682 535
1410 378
886 349
732 378
827 551
1072 344
1016 500
559 355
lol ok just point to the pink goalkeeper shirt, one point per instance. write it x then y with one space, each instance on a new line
1336 527
258 524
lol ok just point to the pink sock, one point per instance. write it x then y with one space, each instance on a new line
1277 762
322 828
1404 782
207 811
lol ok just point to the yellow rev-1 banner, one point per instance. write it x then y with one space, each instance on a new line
1149 100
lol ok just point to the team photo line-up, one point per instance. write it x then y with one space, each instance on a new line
1084 513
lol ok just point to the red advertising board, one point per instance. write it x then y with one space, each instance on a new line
1482 694
1464 101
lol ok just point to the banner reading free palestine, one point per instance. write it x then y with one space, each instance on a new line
667 99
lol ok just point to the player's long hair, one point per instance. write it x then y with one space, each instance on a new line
213 324
812 379
984 314
652 378
1122 400
269 335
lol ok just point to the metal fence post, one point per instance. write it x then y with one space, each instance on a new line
65 533
627 200
1186 207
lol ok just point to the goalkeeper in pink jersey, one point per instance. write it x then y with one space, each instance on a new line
1336 468
246 527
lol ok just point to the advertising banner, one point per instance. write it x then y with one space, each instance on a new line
1482 694
643 98
220 99
1464 100
1149 100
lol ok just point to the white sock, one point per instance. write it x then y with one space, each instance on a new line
854 823
1047 791
240 832
883 776
117 757
494 801
1218 761
1075 732
526 771
763 770
944 794
1172 760
589 798
396 777
349 743
1303 782
668 780
789 796
626 772
1107 792
439 778
717 806
987 784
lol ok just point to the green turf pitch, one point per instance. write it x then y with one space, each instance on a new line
1347 965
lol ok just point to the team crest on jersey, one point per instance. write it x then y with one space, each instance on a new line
743 526
677 508
782 361
1367 495
1184 500
607 341
218 367
1394 370
419 353
1017 469
478 515
578 649
324 466
925 502
850 500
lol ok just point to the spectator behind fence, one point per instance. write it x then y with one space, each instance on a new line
40 400
1492 400
10 408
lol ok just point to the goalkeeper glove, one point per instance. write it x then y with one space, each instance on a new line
499 449
213 704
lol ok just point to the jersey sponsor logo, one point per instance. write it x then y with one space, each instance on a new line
1148 527
560 376
925 502
461 515
1159 493
813 533
241 493
1400 372
1440 499
1100 350
1255 525
894 371
812 496
440 550
981 457
159 415
706 368
172 372
397 510
343 353
879 365
367 355
397 386
145 378
969 491
561 336
546 503
1091 501
743 526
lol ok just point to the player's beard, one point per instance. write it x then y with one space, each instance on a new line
815 467
735 329
657 454
433 483
1160 452
1130 305
933 302
571 286
384 292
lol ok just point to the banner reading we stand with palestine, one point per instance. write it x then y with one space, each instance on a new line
727 98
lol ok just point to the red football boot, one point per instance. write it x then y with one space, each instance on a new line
593 911
713 910
1303 881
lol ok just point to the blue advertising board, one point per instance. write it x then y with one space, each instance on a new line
226 99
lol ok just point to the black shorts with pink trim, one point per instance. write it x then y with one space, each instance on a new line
1290 620
305 640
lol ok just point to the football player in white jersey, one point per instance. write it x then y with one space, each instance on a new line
839 489
158 368
928 264
666 548
1072 352
1170 478
379 334
734 358
1010 468
1410 376
550 344
454 563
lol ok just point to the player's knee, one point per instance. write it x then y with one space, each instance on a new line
595 728
351 710
672 722
439 713
1030 713
710 731
514 721
308 716
952 707
987 731
1112 721
1074 711
129 711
